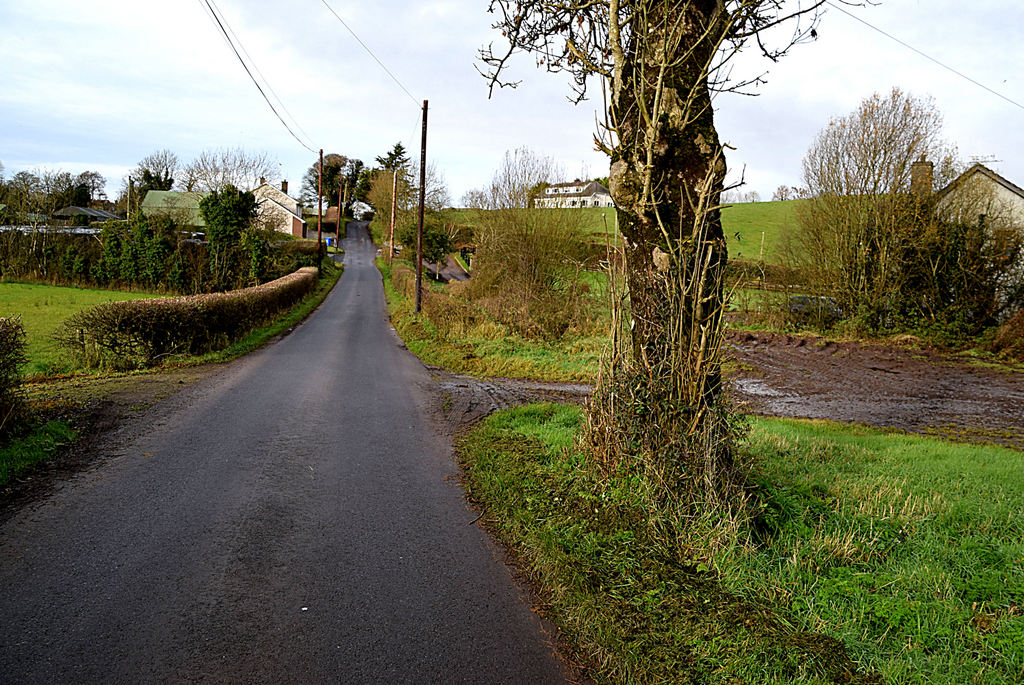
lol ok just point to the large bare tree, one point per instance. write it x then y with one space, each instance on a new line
216 169
658 63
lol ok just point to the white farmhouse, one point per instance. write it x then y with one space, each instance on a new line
983 191
278 210
575 194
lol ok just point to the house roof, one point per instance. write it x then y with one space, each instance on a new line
278 204
85 211
172 201
591 188
987 173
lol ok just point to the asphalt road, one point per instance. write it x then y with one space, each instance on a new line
294 518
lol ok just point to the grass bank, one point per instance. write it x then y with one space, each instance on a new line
870 554
489 348
24 453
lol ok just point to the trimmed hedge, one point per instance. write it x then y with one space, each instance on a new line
141 332
12 356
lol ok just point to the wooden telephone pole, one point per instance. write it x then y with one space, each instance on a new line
419 231
394 205
319 199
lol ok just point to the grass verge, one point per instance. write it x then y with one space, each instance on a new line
869 555
40 444
258 338
490 349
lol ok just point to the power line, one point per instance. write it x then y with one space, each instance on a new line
266 81
370 53
270 104
926 56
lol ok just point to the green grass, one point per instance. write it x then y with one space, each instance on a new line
908 549
42 308
902 553
24 453
491 349
745 223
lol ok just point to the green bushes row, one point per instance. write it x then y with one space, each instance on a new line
150 254
137 333
12 356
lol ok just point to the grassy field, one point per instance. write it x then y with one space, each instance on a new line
869 554
42 308
745 225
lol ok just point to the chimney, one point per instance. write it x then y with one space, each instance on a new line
263 181
284 187
921 174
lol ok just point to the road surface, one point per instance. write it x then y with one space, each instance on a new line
294 518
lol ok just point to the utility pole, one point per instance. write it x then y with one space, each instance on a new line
394 204
319 199
128 205
341 213
419 231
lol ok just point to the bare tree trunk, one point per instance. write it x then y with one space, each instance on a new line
666 178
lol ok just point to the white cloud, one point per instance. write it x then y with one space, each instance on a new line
104 83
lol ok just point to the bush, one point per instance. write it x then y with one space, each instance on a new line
1009 340
140 332
528 271
12 356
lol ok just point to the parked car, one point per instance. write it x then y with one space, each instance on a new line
817 309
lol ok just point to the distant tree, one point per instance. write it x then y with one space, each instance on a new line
218 168
861 214
94 183
227 213
155 171
520 179
436 241
781 194
396 158
336 170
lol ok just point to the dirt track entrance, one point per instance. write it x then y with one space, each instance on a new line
891 387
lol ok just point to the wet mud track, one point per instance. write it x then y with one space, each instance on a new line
890 387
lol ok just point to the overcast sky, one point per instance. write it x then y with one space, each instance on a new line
98 85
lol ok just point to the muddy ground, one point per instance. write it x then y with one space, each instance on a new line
906 388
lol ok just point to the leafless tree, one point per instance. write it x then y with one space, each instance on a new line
658 62
517 181
862 215
218 168
156 171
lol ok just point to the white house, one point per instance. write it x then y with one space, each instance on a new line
278 210
575 194
984 192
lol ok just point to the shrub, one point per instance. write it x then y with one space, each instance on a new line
12 356
528 271
1009 340
140 332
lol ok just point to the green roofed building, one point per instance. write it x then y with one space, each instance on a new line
182 207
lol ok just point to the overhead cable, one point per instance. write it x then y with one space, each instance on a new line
926 56
266 81
245 66
371 54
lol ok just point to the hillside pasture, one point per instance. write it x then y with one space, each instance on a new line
745 225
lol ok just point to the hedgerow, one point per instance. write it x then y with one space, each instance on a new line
12 356
142 332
